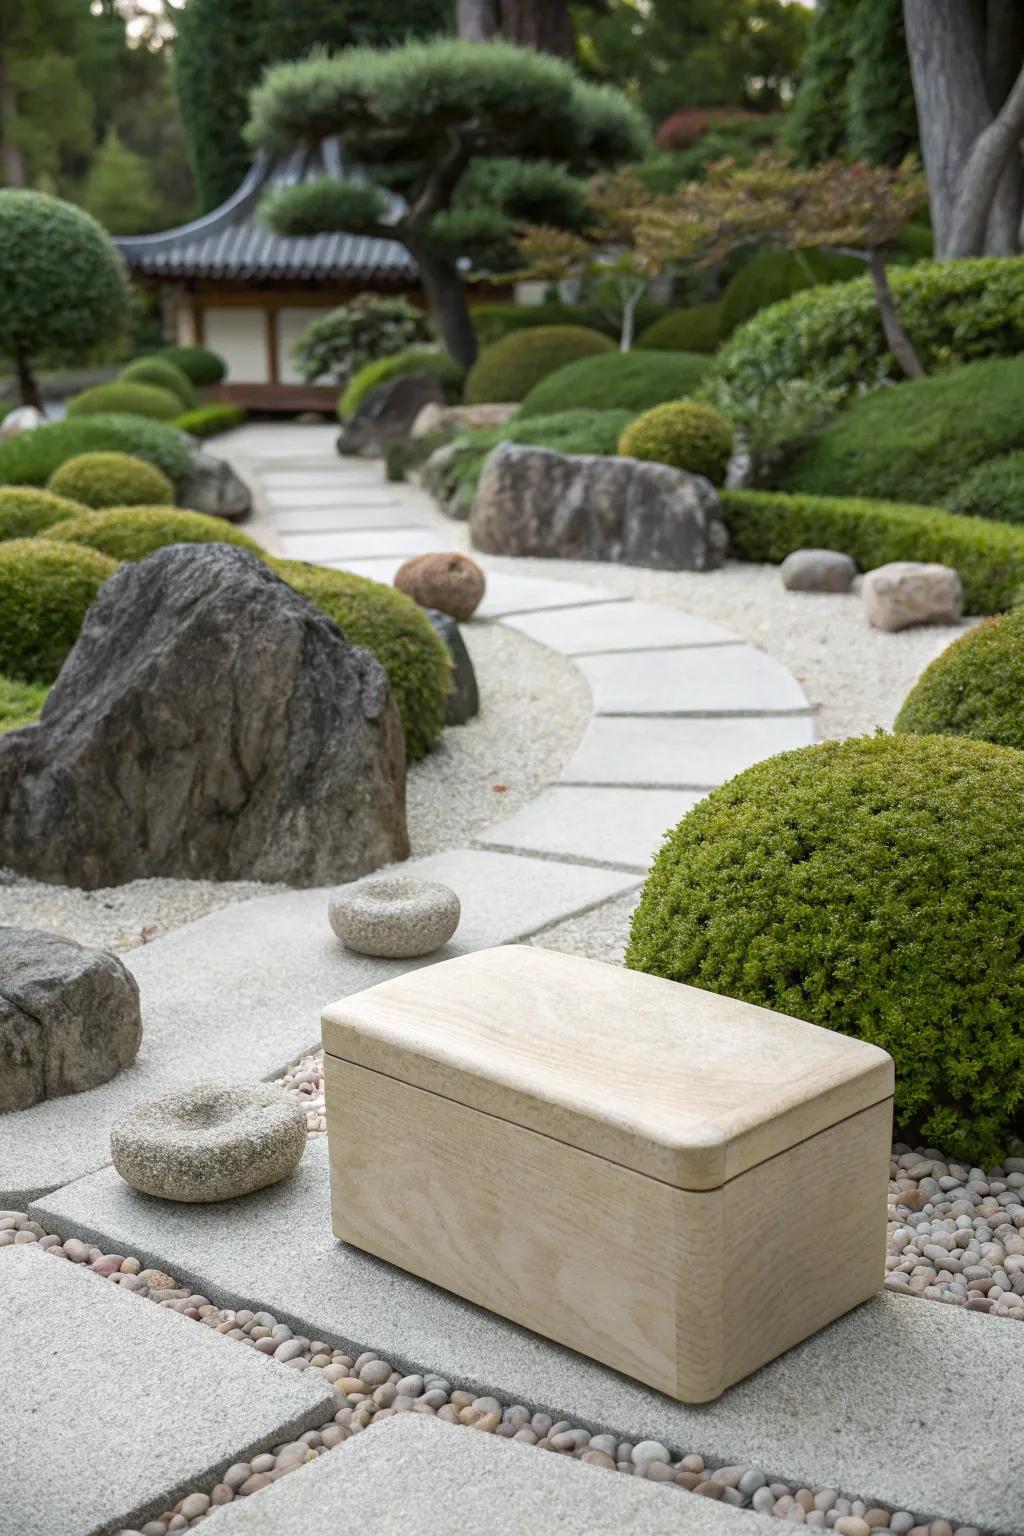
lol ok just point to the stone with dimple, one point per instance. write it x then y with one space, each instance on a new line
395 916
211 1141
817 570
452 583
908 592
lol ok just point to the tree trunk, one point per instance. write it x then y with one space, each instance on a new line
1004 56
900 344
446 298
27 385
987 167
476 21
12 164
542 24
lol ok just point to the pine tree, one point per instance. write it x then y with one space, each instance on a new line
882 122
119 192
816 125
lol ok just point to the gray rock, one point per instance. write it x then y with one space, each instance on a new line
209 723
461 418
214 488
818 570
532 501
464 695
212 1141
69 1017
394 916
388 413
907 592
24 418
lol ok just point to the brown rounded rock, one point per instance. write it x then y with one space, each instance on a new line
452 583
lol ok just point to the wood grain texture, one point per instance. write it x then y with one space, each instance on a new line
686 1086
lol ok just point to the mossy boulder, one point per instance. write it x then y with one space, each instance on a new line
100 480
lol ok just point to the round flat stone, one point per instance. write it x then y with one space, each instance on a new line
394 916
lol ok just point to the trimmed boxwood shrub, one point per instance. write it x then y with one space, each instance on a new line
511 368
859 884
915 441
164 375
974 688
697 329
994 489
45 589
111 480
493 321
20 703
30 458
25 510
128 399
683 433
197 363
776 275
989 557
628 381
208 420
395 630
132 533
416 360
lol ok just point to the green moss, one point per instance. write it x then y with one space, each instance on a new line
25 510
685 434
974 688
128 398
208 420
395 630
162 373
697 329
994 489
30 458
132 533
416 360
197 363
45 589
628 381
20 703
858 885
111 480
514 365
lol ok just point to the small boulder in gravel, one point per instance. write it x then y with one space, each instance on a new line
818 570
211 1141
906 592
452 583
394 916
214 488
69 1017
463 695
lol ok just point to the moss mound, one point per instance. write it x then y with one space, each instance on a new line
974 688
857 884
627 381
111 480
777 275
128 398
208 420
30 458
514 365
995 489
25 511
164 375
197 363
45 589
20 703
697 329
132 533
685 434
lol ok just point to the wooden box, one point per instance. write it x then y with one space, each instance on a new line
674 1183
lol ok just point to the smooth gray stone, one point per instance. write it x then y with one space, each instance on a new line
817 570
464 698
127 1406
213 487
905 593
822 1414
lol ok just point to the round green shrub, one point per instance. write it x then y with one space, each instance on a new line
30 458
493 321
683 433
994 489
158 371
128 399
974 688
777 275
132 533
871 886
208 420
197 363
697 329
416 360
20 703
111 480
395 630
45 589
25 510
511 368
628 381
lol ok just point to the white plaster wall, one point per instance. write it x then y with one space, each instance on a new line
239 335
291 322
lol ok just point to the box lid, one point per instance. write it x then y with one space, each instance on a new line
686 1086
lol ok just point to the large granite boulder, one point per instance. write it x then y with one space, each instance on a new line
209 723
533 501
69 1017
388 413
213 487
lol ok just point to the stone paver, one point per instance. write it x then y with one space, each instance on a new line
113 1407
719 680
416 1474
354 516
623 626
895 1402
507 594
696 753
616 826
332 548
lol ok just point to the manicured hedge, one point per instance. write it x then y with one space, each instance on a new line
513 366
20 703
25 510
128 398
132 533
45 590
197 363
684 433
30 458
993 489
871 886
974 688
416 360
626 381
767 525
111 480
697 329
164 375
208 420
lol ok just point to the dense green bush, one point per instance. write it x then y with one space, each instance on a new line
417 360
335 345
697 329
777 275
628 381
767 525
208 420
684 433
132 533
858 884
994 489
164 375
197 363
20 703
395 630
30 458
25 510
916 440
511 368
567 432
974 688
45 589
126 399
493 321
111 480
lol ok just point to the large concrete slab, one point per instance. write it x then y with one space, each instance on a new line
113 1408
695 753
354 515
241 990
373 543
719 680
508 594
902 1402
414 1473
604 825
625 626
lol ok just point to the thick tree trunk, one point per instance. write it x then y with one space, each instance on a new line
12 164
542 24
900 344
477 21
27 385
1004 56
991 163
446 298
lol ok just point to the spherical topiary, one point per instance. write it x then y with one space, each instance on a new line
197 363
26 510
30 458
628 381
396 631
45 589
511 368
111 480
871 886
697 329
127 398
158 371
683 433
974 688
994 489
132 533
